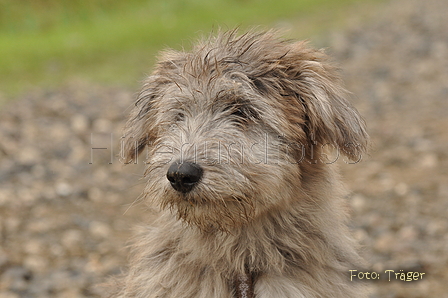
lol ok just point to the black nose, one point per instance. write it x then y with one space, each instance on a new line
184 176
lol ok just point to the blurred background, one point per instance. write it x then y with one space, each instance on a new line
49 42
70 70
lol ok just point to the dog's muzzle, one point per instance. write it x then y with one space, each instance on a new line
183 176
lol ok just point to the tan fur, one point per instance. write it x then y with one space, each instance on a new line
258 114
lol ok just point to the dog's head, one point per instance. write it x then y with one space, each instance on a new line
269 106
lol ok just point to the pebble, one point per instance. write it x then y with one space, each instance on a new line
429 161
385 242
401 189
358 202
63 189
99 229
64 222
72 238
80 123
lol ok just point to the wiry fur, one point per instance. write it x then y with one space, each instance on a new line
257 113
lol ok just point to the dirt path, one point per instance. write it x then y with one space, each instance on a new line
64 222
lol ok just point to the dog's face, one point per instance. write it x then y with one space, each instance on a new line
231 128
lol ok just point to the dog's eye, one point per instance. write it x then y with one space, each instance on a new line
179 117
239 112
244 113
239 109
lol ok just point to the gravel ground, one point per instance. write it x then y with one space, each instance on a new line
66 210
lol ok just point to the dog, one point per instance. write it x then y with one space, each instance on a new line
240 136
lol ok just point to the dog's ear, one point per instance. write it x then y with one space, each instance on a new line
329 118
142 127
138 132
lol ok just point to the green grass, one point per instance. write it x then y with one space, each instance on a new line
49 42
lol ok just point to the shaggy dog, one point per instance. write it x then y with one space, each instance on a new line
241 136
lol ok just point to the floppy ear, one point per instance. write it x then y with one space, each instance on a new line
329 116
142 127
138 132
